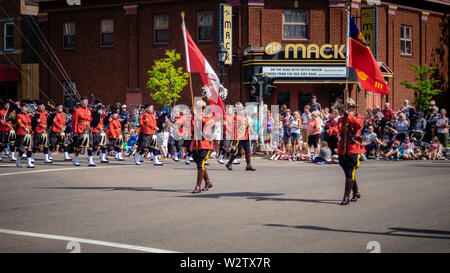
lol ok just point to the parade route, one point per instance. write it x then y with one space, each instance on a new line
282 207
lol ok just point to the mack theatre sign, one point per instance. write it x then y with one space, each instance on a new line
311 51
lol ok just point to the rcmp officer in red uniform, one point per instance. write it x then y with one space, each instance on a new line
5 129
81 120
39 123
201 148
241 139
98 123
24 141
147 136
349 148
58 135
114 133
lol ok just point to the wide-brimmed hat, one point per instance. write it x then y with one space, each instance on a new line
351 103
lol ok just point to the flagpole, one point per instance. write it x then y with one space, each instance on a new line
346 91
190 78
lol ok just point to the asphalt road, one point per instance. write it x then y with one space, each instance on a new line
282 207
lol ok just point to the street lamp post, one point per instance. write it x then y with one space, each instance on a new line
221 53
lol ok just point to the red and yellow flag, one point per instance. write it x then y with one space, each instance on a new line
363 61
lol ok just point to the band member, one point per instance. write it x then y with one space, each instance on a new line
350 147
225 143
81 128
12 109
147 136
24 141
98 123
202 148
5 130
241 139
114 133
58 134
40 137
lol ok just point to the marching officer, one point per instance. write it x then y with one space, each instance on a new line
40 138
81 128
98 123
114 133
24 141
241 138
58 136
202 148
350 147
5 129
147 136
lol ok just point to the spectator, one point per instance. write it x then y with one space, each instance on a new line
408 149
314 131
442 130
124 116
287 119
371 142
402 124
435 149
306 116
332 140
405 108
295 132
388 112
395 153
324 154
314 105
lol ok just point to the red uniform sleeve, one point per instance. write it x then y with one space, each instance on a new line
75 122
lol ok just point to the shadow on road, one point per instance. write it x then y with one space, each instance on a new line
393 231
332 202
249 195
113 189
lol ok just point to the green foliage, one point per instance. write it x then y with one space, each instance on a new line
423 88
166 81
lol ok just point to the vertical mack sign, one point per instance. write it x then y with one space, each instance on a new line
225 30
369 28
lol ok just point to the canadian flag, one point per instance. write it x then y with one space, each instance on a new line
196 62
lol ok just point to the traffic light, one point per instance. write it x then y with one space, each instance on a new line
268 86
253 94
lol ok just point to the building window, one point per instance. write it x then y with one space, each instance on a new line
295 24
205 26
69 35
161 29
8 42
107 32
405 40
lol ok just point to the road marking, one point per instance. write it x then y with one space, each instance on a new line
64 169
86 241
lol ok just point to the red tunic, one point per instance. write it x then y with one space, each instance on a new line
100 125
356 124
81 119
4 125
203 144
42 125
114 129
59 121
147 122
23 121
240 125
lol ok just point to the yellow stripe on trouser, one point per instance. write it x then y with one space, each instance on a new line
204 160
356 167
237 146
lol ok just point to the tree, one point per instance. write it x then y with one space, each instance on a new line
166 81
423 88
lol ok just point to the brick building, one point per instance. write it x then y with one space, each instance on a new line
107 46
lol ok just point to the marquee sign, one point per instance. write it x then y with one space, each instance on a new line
226 31
304 71
369 28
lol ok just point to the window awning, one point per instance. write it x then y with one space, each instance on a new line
8 73
385 70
